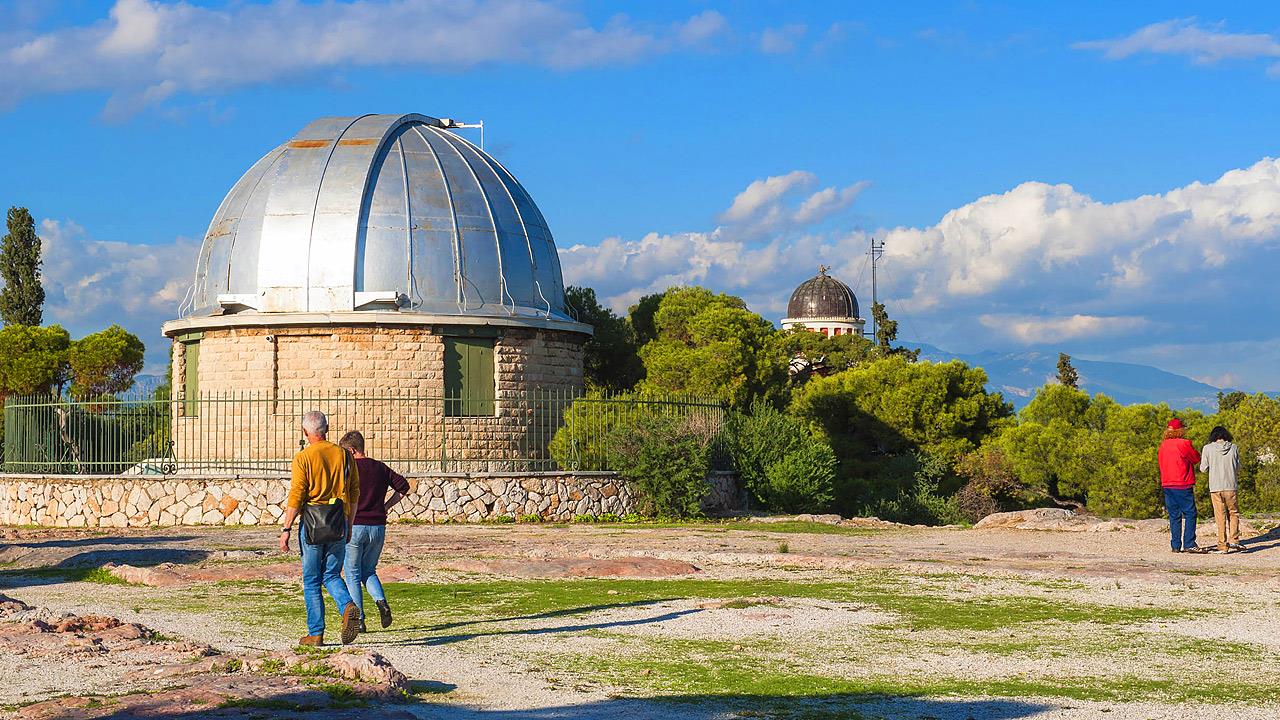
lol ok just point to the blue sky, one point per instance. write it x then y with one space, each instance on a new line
1032 166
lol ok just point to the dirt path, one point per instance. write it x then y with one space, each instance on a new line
486 633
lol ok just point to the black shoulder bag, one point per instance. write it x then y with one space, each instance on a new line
327 523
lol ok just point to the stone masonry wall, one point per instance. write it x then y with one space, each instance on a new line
254 384
117 502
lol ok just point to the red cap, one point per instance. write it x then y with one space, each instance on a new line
1175 424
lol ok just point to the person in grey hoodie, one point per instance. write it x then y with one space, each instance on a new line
1221 459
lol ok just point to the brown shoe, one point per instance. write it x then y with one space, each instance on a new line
350 623
312 640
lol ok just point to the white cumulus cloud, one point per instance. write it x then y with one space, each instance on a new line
1187 38
1040 264
90 284
764 195
146 51
1031 329
780 40
828 201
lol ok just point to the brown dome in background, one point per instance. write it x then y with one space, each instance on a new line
822 297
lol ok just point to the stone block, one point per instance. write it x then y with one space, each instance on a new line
228 506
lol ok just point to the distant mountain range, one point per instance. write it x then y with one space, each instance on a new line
1019 375
144 385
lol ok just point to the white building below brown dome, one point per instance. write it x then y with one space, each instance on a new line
824 304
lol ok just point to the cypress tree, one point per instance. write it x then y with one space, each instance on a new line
886 333
1067 374
22 298
886 329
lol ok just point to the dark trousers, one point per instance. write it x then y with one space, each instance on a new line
1181 505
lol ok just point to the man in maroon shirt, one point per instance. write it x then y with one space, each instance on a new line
368 530
1178 459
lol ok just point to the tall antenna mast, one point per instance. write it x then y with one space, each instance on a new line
877 249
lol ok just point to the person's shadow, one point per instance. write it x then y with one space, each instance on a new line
1265 541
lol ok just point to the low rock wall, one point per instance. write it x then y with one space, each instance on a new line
118 502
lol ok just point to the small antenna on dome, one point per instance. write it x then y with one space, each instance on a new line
451 124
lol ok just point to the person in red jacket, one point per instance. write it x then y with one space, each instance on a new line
1178 459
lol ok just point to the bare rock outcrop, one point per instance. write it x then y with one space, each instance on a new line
1063 520
161 677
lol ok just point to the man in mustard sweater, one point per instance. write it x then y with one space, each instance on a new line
322 473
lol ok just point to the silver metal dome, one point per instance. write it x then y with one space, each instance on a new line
378 213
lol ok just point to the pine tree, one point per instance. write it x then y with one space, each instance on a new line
1067 374
23 296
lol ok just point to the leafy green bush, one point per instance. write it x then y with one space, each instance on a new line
922 503
779 461
582 442
579 444
666 460
876 415
802 480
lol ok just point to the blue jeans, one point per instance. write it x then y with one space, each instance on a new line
362 563
1181 505
321 565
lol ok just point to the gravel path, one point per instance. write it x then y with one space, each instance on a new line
497 678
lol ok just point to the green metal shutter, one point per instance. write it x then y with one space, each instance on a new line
468 377
191 378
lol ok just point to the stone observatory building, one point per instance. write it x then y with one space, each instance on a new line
824 304
386 260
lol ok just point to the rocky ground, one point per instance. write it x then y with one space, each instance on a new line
1038 616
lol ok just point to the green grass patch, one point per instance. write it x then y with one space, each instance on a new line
264 704
449 608
697 670
341 695
16 576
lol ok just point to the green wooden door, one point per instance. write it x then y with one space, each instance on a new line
191 378
468 377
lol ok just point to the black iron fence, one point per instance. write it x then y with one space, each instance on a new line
247 432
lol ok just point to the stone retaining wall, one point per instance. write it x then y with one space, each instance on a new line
117 502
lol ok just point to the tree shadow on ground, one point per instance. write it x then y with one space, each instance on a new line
449 639
77 567
537 616
839 706
100 540
845 706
